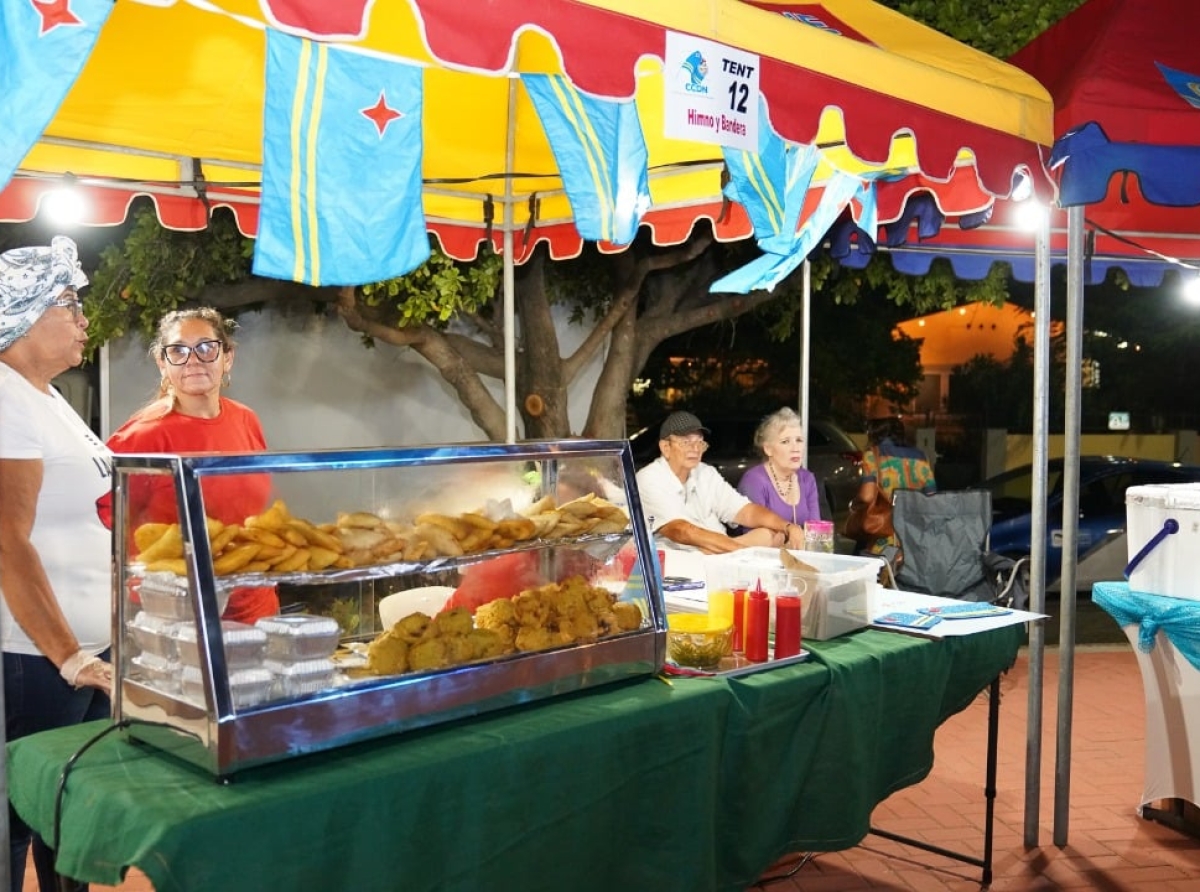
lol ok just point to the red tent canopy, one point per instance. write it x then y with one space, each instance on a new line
1125 79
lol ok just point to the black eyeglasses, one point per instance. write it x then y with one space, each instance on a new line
177 354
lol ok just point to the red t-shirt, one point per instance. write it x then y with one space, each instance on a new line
229 499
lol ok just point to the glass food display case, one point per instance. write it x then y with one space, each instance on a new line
507 573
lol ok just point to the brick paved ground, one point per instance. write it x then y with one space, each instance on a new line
1109 846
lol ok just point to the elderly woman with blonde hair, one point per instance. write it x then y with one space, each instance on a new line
781 482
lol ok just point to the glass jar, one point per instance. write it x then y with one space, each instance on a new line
818 536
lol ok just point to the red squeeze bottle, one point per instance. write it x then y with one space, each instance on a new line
739 619
787 624
758 619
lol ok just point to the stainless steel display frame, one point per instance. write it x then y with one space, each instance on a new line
224 740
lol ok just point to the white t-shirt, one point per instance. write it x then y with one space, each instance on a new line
705 499
74 546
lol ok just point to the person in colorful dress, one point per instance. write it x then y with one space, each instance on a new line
888 465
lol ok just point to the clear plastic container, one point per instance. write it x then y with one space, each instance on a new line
300 636
154 634
247 687
166 595
167 601
839 590
293 678
245 645
158 672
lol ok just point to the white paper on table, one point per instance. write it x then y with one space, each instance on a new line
890 600
689 564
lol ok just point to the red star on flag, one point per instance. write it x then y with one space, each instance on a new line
381 114
55 13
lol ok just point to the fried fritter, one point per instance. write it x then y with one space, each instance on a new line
412 628
530 610
488 643
580 627
428 654
530 638
451 622
629 615
571 601
608 623
495 614
387 655
599 599
459 649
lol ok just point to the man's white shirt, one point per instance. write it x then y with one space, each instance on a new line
705 499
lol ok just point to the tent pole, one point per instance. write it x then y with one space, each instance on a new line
1037 533
805 316
510 339
105 395
1070 522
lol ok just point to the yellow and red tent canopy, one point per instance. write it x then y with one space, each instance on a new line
170 105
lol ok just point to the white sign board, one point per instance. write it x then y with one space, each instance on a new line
712 92
1118 421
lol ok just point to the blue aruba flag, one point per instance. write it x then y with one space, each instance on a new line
341 192
771 184
43 47
601 154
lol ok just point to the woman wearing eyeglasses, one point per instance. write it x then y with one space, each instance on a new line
55 581
194 354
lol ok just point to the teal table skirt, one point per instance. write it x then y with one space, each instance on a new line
1177 618
684 784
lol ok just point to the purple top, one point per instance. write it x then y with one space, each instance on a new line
756 485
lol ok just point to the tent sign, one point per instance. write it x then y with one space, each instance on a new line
712 92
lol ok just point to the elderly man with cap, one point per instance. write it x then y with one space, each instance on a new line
689 503
55 553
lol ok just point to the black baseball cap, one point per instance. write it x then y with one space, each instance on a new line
679 424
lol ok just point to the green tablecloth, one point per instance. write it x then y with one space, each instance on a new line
691 785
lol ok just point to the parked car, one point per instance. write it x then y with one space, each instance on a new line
1101 545
831 455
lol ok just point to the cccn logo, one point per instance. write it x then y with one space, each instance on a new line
695 70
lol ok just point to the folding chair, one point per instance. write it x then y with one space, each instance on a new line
943 537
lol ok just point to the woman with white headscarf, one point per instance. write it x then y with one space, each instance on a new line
55 553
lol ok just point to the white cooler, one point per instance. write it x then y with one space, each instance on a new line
1162 529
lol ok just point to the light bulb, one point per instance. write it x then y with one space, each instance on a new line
65 205
1030 215
1191 290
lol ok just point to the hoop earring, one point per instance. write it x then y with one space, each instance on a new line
226 380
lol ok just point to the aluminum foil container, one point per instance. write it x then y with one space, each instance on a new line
159 672
245 645
247 687
165 594
154 634
294 678
300 636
